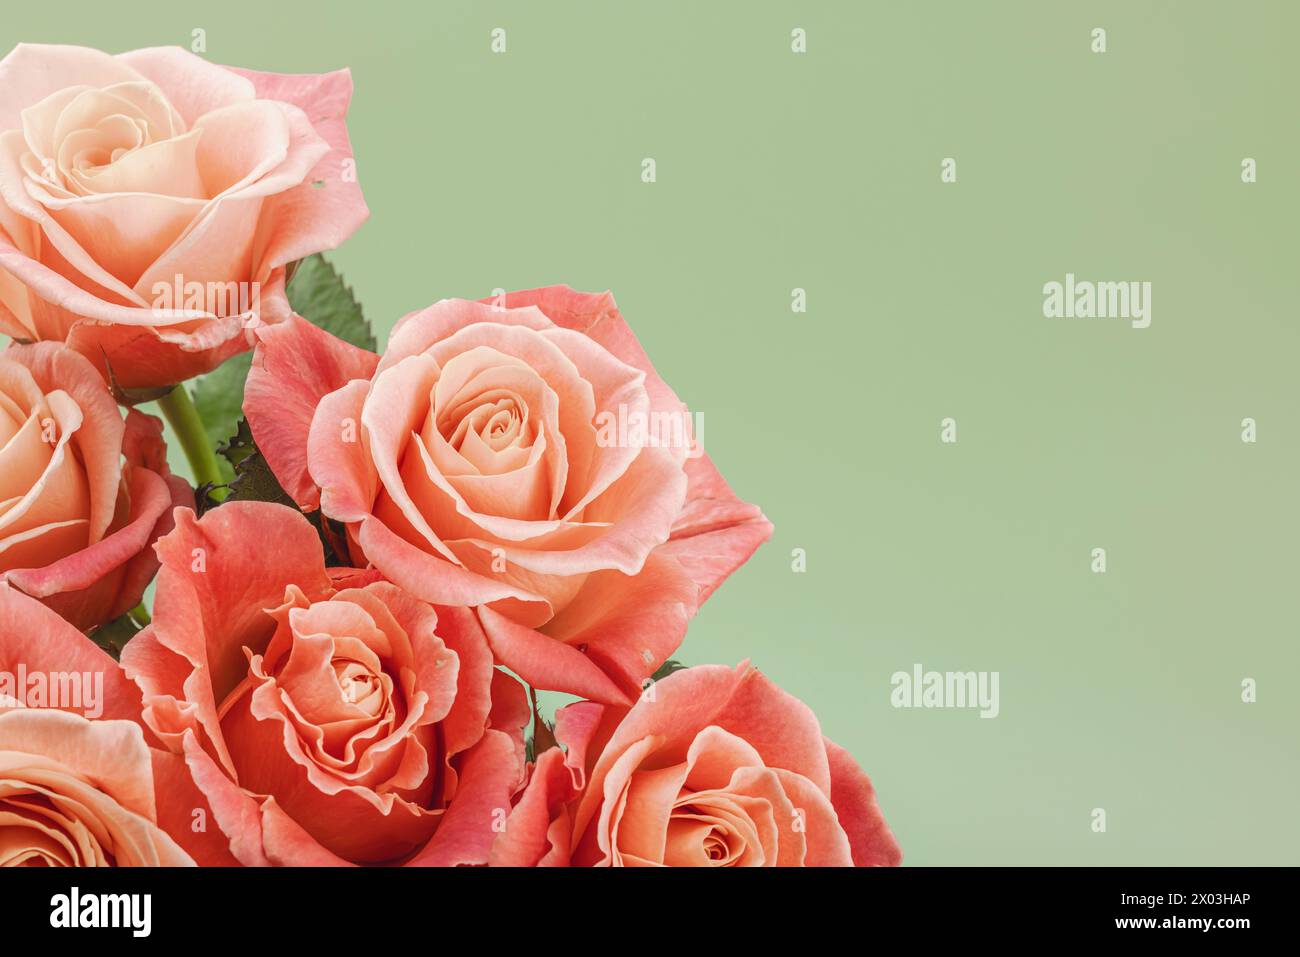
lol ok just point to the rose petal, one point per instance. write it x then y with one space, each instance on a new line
490 775
185 814
716 532
192 84
36 637
203 562
103 581
546 663
32 71
295 366
872 841
328 207
529 837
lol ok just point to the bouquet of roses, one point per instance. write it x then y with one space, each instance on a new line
385 554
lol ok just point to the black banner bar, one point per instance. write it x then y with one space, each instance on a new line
176 907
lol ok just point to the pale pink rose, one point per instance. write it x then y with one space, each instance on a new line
328 717
493 458
713 767
119 174
80 783
83 493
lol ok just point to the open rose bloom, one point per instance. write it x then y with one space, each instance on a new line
329 718
83 492
82 782
150 202
505 457
78 793
713 767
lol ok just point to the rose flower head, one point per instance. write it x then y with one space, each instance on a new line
150 202
712 767
83 492
521 457
81 784
328 717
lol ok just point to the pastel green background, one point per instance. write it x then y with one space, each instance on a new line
821 171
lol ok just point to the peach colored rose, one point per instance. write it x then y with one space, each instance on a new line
492 458
713 767
76 521
119 174
329 718
80 792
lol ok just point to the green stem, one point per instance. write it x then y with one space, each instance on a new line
178 409
140 615
543 737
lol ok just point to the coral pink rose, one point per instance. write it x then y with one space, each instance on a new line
150 202
76 522
329 718
713 767
79 792
523 458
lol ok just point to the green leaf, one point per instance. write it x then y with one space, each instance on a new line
219 398
319 295
239 446
114 635
255 482
667 668
541 739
